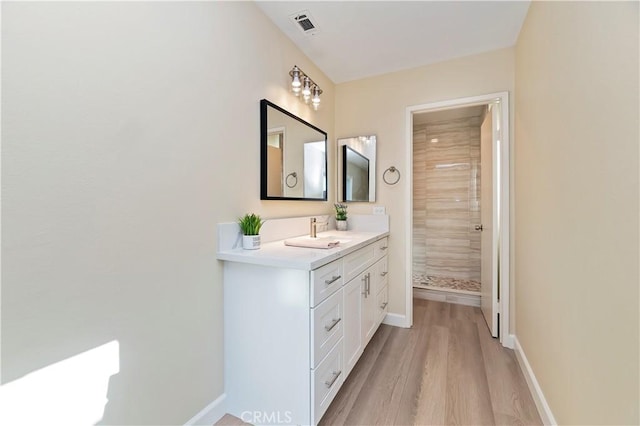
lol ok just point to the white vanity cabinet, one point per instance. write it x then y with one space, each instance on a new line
293 335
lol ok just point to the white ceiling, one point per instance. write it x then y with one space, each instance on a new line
357 39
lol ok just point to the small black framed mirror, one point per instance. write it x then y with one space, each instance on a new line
293 156
355 173
357 169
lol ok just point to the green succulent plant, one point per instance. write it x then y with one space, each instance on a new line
250 224
341 211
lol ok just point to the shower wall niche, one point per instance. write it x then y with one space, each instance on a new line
446 204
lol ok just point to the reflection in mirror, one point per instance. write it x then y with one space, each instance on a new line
357 168
315 177
275 161
293 156
355 172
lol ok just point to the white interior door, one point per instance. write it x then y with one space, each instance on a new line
488 208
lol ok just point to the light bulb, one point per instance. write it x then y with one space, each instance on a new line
296 81
316 96
295 75
306 87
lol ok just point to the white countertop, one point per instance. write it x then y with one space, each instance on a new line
277 254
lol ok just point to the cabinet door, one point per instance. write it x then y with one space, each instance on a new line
369 311
352 327
379 275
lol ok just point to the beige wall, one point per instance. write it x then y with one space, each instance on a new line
128 131
378 105
576 163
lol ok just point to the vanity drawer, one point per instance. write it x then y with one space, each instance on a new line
326 380
381 271
381 247
382 304
358 261
327 326
325 280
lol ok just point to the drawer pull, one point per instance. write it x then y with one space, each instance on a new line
333 279
333 324
384 305
330 383
383 248
384 273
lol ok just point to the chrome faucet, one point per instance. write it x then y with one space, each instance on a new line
312 228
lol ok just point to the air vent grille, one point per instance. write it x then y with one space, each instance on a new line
304 22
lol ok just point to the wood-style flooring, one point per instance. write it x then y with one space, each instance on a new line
446 370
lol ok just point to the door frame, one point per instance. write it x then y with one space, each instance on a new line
502 188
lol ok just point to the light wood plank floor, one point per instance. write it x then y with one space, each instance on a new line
446 370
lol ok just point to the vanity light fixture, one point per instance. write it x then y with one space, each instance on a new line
303 84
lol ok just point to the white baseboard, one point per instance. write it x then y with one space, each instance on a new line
447 296
508 341
396 320
534 387
210 414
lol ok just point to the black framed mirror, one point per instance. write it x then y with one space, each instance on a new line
293 156
357 169
355 172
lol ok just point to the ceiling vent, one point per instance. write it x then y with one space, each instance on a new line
304 22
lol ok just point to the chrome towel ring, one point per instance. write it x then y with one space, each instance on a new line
293 175
391 170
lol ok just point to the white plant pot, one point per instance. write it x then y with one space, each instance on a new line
341 225
251 242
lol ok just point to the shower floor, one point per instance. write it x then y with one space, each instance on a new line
420 280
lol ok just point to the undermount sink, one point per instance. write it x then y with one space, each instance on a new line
335 237
322 242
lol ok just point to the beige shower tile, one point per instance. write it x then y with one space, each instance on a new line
443 242
446 186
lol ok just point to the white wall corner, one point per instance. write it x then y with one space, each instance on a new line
210 414
396 320
534 387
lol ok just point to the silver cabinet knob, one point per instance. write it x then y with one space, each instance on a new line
478 228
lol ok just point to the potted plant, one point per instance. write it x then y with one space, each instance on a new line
341 217
250 225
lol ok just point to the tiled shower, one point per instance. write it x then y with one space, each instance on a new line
446 204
